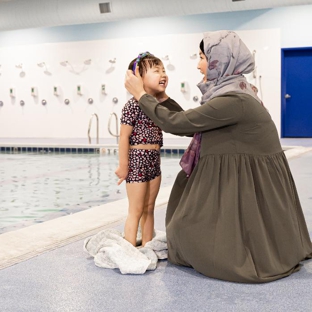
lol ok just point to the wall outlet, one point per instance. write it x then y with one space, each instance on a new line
183 86
79 90
12 92
56 90
103 89
33 91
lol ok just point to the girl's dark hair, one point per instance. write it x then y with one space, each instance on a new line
201 46
145 63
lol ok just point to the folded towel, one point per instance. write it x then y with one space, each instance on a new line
159 245
110 250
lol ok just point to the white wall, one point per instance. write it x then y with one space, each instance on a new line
30 46
57 120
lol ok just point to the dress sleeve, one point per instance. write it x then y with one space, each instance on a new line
172 105
129 113
219 112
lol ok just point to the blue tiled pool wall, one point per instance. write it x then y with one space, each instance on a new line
44 150
75 150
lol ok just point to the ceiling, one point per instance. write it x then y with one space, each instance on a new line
21 14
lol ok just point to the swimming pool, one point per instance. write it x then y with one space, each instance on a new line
38 187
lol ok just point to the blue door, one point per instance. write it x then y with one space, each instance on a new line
297 93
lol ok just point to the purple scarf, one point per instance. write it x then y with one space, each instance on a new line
191 156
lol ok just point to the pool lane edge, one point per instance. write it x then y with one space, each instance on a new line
31 241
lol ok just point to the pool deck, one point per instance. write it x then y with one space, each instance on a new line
44 267
30 241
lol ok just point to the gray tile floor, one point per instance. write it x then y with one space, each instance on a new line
66 279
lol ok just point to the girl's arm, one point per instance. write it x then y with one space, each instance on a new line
124 145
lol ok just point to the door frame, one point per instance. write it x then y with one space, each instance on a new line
283 84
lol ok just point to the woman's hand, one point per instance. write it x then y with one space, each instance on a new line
134 83
121 173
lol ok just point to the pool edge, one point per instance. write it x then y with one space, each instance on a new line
28 242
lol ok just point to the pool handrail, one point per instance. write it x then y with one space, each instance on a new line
97 128
109 123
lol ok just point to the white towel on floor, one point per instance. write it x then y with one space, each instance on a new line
110 250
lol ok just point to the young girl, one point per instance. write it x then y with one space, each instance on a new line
139 150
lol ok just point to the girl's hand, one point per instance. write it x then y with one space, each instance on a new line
134 83
121 173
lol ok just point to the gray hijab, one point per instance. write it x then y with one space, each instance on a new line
228 60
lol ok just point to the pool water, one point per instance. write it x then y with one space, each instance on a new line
35 187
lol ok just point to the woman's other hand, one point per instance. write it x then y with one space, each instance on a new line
134 83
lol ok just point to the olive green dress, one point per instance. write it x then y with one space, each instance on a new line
237 217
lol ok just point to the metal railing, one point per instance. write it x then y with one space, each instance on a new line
97 128
109 126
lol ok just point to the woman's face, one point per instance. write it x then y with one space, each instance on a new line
203 64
